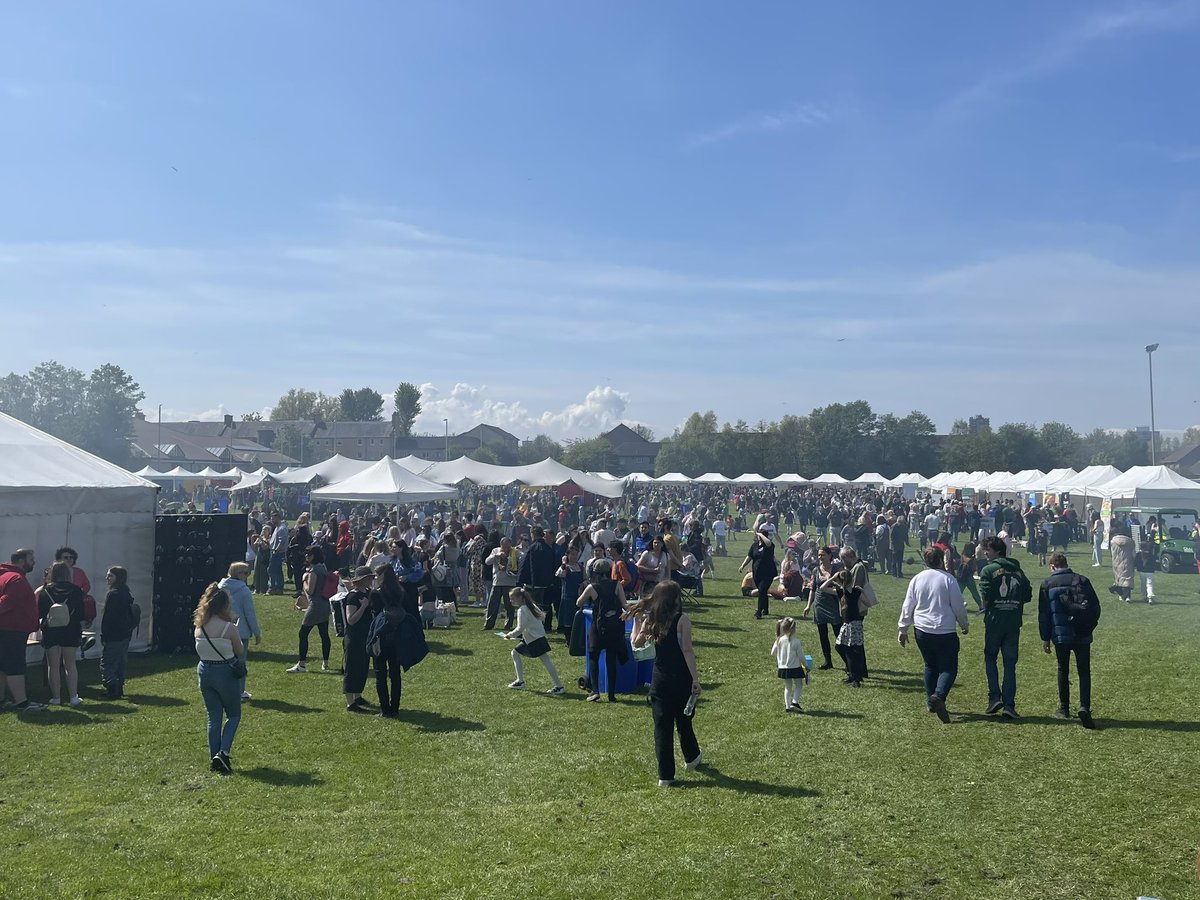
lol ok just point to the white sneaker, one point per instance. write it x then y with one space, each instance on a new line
54 701
517 685
76 700
696 762
246 695
325 666
298 669
666 782
555 691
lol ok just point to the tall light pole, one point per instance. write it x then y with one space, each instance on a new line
446 422
1150 348
159 447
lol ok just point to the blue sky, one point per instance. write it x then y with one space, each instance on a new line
557 216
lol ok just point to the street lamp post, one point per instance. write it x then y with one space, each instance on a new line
446 422
1150 348
159 447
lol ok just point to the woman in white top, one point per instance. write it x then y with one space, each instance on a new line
218 645
654 565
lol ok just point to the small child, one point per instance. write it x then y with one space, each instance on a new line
789 657
533 639
1038 543
1145 565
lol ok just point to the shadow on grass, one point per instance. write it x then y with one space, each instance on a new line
714 777
716 645
709 626
152 700
446 650
280 778
109 706
281 706
436 723
57 717
828 714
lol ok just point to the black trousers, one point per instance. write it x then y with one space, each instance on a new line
356 664
764 595
544 598
611 663
823 631
666 707
387 670
499 593
1083 664
323 631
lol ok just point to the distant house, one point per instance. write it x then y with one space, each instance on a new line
634 453
194 445
1185 461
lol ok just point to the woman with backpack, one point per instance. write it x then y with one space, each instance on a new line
317 611
60 606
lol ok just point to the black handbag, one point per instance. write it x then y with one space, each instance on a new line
236 666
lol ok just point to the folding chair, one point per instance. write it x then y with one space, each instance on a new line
688 585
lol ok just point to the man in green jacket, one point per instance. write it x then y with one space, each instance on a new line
1005 590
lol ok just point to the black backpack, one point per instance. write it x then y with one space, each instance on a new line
135 616
1082 608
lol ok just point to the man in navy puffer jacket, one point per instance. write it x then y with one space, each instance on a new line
1057 626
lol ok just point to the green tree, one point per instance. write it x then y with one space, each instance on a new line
967 452
645 432
591 455
301 405
691 448
486 454
407 398
841 438
904 444
1061 446
538 449
1191 436
16 397
252 417
290 442
362 405
110 405
1021 446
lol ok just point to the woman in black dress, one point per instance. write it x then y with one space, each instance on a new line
761 559
675 681
357 605
607 634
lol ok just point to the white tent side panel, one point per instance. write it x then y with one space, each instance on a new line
108 526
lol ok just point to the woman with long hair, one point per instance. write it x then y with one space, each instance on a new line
317 612
827 616
660 619
242 610
607 634
62 631
218 645
654 565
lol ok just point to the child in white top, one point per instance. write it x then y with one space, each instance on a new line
533 639
789 658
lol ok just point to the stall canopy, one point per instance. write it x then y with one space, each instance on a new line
250 480
336 468
385 481
53 494
1152 486
712 478
673 478
830 478
869 478
1087 479
547 473
788 479
749 478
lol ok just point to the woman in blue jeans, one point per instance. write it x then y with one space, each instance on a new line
218 645
934 606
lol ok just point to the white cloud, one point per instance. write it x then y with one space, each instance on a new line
467 405
801 115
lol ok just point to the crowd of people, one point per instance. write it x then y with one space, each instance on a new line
381 576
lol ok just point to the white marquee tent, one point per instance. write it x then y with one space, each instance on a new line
829 478
547 473
787 479
749 478
336 468
712 478
385 481
869 478
673 478
53 494
1151 486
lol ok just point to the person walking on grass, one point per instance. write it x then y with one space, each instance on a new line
607 634
789 661
760 559
1068 611
316 610
659 618
933 605
218 645
1006 590
533 643
1146 564
234 584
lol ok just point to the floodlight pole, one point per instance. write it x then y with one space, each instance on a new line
446 422
1150 348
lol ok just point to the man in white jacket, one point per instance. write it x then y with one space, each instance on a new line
933 606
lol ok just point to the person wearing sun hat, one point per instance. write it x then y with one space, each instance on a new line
358 623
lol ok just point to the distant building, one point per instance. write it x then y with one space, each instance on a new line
1185 461
195 445
976 424
634 453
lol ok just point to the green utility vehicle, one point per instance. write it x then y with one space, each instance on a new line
1177 549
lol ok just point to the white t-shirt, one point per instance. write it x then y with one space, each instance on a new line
788 652
718 528
222 644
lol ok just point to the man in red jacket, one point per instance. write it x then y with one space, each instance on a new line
18 619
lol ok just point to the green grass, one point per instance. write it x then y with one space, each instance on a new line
479 791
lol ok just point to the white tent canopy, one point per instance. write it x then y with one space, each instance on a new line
1152 486
1087 479
547 473
251 480
639 477
830 478
673 478
786 479
869 478
385 481
53 494
336 468
712 478
749 478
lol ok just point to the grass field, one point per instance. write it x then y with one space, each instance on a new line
479 791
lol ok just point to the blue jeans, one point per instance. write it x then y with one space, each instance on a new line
1006 645
940 652
113 656
275 570
222 695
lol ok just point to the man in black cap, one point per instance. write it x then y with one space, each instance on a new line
538 573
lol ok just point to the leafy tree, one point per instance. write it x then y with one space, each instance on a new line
691 448
252 417
840 438
301 405
362 405
486 454
592 455
16 397
110 405
408 406
538 449
290 442
1061 446
1191 436
1022 447
645 432
904 444
967 452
